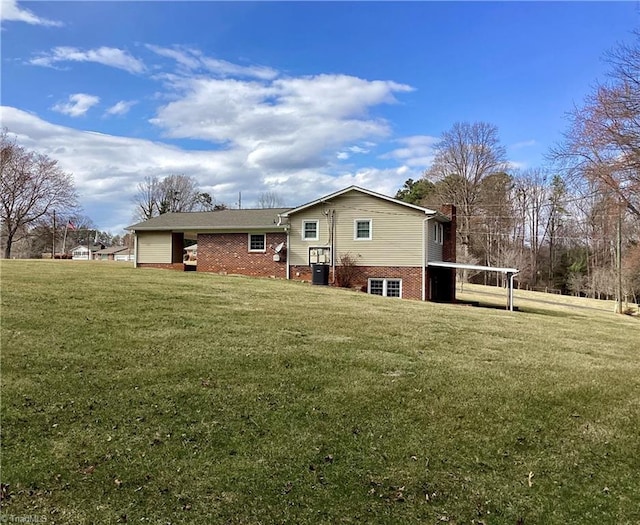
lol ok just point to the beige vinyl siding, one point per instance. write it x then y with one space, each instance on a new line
154 247
396 231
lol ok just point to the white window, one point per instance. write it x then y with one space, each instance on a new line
438 232
257 242
362 230
386 287
309 230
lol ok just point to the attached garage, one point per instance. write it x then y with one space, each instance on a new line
159 248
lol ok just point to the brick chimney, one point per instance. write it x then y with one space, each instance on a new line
449 244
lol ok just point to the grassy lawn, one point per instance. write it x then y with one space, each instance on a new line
530 301
150 396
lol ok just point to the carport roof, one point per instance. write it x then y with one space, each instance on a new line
258 219
463 266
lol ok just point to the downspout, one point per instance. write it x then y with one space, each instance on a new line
135 249
287 227
425 255
333 243
288 250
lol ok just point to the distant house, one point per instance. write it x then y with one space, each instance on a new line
389 243
84 253
114 253
191 253
126 254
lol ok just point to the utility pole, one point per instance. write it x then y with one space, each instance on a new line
53 240
619 262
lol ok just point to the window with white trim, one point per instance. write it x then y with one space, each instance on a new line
310 230
257 242
362 230
438 232
385 287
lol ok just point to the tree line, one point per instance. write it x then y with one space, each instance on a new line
572 226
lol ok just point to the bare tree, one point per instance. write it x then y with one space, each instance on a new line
493 223
146 198
465 155
174 193
270 199
602 142
178 193
32 186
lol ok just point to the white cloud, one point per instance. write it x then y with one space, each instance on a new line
107 169
184 57
284 124
268 133
107 56
516 165
228 69
193 59
78 104
524 144
121 108
11 12
416 151
343 155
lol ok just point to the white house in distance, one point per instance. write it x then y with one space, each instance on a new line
84 253
80 253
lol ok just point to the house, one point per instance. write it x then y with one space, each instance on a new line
113 253
387 243
126 254
84 253
191 253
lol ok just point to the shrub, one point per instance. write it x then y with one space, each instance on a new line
347 271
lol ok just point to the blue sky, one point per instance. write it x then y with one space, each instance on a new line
296 98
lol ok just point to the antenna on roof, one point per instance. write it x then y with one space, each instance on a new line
239 200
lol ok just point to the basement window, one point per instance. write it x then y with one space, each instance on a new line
257 242
385 287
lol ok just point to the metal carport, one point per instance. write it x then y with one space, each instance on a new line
510 273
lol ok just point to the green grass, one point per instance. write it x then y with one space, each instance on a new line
150 396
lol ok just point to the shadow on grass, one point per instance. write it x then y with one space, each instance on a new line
529 310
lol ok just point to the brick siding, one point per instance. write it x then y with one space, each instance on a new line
165 266
449 246
411 277
228 253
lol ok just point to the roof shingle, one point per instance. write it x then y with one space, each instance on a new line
258 219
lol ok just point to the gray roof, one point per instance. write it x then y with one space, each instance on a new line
366 192
112 249
260 219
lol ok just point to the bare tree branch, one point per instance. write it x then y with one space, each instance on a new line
32 186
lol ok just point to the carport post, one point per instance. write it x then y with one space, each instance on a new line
510 276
